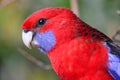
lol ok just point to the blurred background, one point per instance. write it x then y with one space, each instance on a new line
101 14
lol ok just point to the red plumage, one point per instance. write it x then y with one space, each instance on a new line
80 59
79 52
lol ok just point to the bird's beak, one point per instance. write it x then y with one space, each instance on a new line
28 39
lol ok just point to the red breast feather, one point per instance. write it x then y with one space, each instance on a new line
80 59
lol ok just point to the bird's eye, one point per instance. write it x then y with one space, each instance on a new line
41 22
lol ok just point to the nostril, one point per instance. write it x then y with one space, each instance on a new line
25 30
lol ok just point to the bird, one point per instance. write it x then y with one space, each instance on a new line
76 50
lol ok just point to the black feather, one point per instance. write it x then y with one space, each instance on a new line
115 48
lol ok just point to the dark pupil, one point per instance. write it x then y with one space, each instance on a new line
42 21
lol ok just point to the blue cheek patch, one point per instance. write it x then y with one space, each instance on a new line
46 41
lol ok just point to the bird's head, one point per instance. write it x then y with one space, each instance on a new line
49 27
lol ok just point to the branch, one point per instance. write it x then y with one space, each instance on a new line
34 60
74 6
4 3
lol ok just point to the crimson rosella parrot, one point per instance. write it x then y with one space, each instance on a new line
76 50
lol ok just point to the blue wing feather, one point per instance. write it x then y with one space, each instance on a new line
114 60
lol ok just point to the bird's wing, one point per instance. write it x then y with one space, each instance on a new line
114 60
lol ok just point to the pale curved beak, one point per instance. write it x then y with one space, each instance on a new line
28 39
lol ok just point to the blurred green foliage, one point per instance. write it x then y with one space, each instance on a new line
101 14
